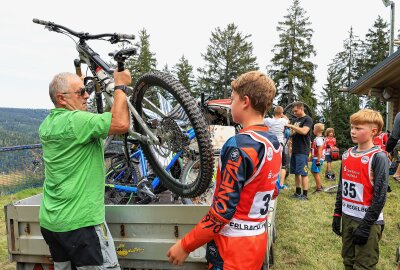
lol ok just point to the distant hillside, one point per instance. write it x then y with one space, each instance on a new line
20 126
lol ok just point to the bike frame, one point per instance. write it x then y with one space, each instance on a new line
156 181
94 63
139 155
163 128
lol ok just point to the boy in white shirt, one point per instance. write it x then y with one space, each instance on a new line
276 126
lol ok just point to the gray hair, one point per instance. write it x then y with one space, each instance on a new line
60 83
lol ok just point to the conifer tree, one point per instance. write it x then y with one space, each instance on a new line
329 95
145 60
375 50
184 71
229 55
340 104
291 68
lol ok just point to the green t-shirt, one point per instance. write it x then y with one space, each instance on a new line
73 190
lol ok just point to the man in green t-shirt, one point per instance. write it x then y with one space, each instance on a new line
72 209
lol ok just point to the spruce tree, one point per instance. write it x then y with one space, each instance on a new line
145 60
375 50
229 55
347 62
340 104
291 68
184 71
329 95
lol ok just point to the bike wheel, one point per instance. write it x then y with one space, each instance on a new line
172 114
190 171
120 173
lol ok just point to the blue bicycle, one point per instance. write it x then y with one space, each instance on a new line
133 181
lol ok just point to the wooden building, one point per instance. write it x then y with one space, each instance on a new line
382 81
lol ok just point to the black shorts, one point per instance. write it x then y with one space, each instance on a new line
88 246
328 158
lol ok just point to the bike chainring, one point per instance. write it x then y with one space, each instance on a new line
173 136
142 187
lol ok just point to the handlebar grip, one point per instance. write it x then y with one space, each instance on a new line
121 66
125 36
78 69
41 22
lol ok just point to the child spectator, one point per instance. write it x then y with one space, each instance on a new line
330 141
381 140
249 165
358 216
276 126
318 155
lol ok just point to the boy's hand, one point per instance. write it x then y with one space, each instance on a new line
360 235
176 254
318 163
336 225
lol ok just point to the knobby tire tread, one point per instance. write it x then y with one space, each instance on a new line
174 87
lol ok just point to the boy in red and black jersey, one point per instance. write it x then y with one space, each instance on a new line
361 193
234 228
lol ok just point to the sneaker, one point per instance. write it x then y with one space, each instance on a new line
303 198
296 196
283 187
319 189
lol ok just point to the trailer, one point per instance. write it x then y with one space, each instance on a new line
142 234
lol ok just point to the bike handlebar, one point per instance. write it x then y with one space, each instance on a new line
115 37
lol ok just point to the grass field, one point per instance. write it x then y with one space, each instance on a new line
4 200
305 239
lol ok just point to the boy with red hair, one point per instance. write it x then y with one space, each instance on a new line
361 196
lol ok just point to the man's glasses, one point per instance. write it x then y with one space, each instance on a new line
81 92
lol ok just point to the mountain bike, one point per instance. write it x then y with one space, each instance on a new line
165 135
133 181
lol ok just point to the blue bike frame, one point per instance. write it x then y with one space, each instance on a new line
139 154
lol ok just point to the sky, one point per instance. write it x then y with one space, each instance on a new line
31 55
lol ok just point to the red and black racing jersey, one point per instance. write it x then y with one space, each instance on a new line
248 169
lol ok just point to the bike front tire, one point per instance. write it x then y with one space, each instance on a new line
156 91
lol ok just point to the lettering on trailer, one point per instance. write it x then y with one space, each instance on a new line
123 252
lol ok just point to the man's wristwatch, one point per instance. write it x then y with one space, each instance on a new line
122 87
